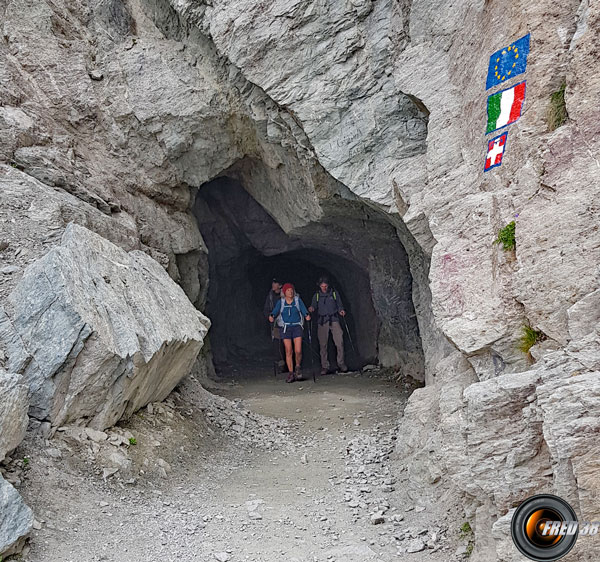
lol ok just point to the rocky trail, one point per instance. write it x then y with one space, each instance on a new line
296 472
162 161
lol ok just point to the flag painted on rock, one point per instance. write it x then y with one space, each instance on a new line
495 152
504 107
508 62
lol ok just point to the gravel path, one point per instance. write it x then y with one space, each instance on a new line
312 480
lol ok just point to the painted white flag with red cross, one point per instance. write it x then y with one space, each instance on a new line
495 152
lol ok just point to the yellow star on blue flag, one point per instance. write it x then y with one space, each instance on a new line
508 62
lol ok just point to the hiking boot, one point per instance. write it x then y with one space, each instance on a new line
343 369
290 378
323 372
298 374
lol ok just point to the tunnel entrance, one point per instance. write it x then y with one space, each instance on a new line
303 268
247 249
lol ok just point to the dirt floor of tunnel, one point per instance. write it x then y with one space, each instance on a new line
309 501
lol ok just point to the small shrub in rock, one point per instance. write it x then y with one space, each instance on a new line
465 530
557 110
132 441
466 533
506 236
529 338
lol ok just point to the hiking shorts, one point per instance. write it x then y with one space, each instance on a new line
292 332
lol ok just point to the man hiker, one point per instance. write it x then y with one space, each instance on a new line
273 298
291 313
328 305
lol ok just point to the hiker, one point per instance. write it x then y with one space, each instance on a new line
328 305
273 298
290 312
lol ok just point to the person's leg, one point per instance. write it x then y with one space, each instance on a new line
323 334
278 350
298 350
338 339
288 354
281 351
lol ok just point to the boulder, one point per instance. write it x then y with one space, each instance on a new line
105 331
16 520
505 456
13 412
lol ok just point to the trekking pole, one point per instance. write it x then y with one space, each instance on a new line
349 337
310 348
272 344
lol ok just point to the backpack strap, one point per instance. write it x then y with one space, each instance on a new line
327 318
333 292
280 321
297 301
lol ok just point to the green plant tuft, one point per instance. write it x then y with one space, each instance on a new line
529 338
132 441
25 461
465 529
466 533
557 109
506 236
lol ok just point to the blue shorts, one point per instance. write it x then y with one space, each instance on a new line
291 332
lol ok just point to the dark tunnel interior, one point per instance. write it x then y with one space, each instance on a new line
247 249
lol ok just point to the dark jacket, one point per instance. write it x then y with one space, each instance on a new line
270 303
327 305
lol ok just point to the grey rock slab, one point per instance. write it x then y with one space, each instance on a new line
16 520
108 331
9 269
14 404
584 315
95 435
415 546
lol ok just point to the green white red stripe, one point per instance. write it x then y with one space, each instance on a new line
505 107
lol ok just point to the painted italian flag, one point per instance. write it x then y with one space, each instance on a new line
505 107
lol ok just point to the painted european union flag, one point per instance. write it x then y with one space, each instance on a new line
508 62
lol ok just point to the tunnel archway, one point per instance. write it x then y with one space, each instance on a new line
363 258
303 268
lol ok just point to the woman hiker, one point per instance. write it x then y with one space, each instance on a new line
290 313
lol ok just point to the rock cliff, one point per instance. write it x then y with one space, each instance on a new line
330 115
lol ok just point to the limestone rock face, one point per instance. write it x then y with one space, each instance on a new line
14 404
501 438
391 95
103 331
35 216
16 520
385 101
